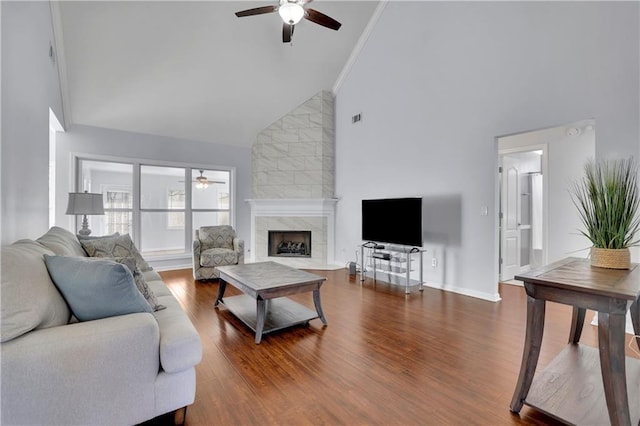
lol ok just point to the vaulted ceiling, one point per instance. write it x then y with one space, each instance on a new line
193 70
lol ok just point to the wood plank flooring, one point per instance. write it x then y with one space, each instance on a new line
385 358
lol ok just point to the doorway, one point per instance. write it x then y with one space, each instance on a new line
521 225
525 238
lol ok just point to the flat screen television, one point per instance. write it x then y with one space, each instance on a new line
393 220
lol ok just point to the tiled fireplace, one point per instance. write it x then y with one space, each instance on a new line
290 216
293 183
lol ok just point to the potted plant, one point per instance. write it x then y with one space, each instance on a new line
607 200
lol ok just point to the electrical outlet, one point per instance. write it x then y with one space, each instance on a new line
434 262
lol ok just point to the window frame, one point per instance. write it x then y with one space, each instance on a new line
137 163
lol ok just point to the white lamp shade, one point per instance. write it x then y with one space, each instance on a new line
291 13
85 203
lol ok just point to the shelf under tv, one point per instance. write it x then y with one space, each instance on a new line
393 265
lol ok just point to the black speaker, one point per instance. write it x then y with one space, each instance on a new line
352 268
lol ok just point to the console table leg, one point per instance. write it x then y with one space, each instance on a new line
612 363
577 323
261 313
222 285
531 351
316 302
635 319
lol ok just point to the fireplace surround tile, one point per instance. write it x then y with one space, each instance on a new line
294 179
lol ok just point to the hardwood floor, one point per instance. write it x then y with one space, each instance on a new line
385 358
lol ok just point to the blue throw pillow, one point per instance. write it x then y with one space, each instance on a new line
94 288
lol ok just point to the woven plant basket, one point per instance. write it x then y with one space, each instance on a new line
611 258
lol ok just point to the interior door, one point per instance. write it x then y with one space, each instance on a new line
510 219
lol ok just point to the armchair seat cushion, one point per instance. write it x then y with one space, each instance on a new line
218 256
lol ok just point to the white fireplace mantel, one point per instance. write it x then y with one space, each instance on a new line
292 206
289 207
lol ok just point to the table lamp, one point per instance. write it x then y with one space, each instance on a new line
85 203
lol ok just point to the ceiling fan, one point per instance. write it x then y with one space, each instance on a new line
291 12
202 181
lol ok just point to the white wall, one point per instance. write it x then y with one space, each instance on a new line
30 86
436 82
85 140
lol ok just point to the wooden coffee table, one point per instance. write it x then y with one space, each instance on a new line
263 307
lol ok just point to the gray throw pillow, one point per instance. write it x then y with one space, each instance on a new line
141 283
95 289
96 237
119 246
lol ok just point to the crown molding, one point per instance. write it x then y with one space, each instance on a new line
359 46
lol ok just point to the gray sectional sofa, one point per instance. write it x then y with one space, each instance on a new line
122 369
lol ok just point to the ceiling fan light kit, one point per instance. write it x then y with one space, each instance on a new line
291 12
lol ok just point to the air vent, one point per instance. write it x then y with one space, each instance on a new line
356 118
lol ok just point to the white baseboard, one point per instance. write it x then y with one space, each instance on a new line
466 292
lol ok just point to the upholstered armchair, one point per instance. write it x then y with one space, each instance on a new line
215 246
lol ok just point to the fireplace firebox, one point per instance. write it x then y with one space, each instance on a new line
289 243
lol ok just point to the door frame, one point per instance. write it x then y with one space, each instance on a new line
544 164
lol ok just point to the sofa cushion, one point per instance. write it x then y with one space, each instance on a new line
151 275
96 289
159 288
218 256
141 283
61 242
180 346
29 299
217 236
120 246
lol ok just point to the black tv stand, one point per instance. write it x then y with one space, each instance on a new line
380 255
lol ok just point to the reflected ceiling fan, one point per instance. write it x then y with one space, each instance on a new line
202 181
291 12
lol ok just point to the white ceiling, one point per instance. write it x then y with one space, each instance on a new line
194 70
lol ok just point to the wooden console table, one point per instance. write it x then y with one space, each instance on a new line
572 388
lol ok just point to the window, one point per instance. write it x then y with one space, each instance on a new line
115 182
117 212
175 199
210 203
163 211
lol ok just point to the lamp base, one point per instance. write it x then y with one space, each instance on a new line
84 231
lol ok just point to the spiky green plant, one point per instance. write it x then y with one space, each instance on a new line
607 200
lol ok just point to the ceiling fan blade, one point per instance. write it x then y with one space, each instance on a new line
322 19
287 32
256 11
